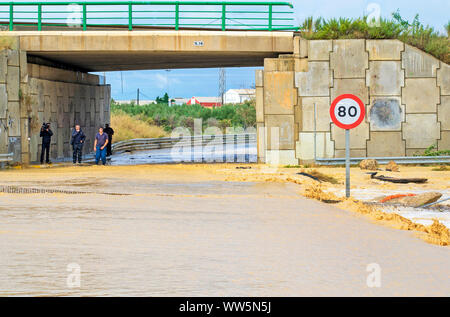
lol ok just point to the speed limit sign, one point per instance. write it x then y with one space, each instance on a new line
347 112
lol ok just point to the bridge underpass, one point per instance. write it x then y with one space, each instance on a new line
54 66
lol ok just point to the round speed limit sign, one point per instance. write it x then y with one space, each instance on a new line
347 111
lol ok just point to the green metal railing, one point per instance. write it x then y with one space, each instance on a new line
223 15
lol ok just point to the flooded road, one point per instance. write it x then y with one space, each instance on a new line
176 231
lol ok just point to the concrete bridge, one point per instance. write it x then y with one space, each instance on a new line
137 50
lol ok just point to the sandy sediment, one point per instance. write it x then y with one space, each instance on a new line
436 233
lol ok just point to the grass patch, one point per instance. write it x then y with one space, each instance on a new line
127 127
413 33
432 151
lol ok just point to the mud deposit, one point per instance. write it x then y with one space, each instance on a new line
190 230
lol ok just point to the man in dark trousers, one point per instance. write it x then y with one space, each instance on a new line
77 142
46 135
110 132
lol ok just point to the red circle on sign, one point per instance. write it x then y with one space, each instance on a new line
361 115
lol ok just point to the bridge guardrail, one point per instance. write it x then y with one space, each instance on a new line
5 158
222 15
164 143
386 160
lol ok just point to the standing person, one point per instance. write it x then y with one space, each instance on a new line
77 142
101 141
110 132
46 135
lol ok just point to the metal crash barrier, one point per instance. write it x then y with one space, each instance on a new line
4 158
220 15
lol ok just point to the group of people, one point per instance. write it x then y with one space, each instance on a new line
102 143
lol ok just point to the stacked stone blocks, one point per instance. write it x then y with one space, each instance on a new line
406 93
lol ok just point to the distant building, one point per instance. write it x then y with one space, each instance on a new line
239 95
180 101
208 102
141 102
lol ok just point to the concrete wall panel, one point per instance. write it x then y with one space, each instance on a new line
316 82
349 59
443 79
319 50
385 78
305 146
13 83
356 87
353 153
386 114
358 136
444 112
322 113
376 146
280 132
382 50
418 63
420 95
3 101
444 142
13 119
279 93
3 66
421 130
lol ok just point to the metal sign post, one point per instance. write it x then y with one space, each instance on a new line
347 112
347 163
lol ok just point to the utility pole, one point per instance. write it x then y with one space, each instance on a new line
137 99
222 84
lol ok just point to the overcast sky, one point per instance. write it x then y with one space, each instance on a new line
204 82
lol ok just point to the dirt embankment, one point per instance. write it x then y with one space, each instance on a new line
438 179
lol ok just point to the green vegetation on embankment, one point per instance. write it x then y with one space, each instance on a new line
132 121
413 33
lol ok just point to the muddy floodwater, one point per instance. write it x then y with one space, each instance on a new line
182 231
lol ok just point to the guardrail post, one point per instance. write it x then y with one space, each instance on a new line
39 17
270 17
177 16
11 16
235 138
84 17
224 17
247 145
130 17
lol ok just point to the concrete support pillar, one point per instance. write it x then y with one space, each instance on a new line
276 104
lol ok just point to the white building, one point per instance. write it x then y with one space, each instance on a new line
239 95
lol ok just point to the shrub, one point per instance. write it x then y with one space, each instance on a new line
127 127
413 33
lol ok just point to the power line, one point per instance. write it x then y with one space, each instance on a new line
222 84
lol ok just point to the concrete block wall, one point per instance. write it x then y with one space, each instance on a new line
276 104
406 93
12 118
32 94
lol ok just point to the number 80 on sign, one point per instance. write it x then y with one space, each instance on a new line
347 111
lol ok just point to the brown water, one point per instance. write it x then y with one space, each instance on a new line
191 236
